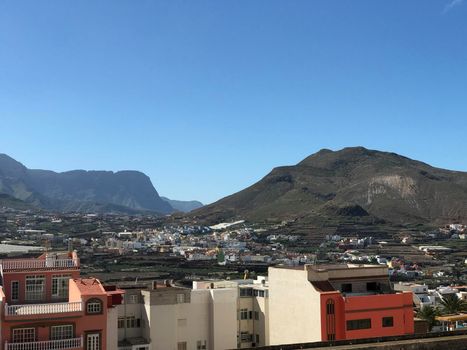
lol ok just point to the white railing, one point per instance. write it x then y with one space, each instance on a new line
62 344
41 309
25 264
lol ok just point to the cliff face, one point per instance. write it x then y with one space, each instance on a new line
80 190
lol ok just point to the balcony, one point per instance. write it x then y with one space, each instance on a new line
14 311
62 344
38 264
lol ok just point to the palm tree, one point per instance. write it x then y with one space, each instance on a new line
451 304
428 313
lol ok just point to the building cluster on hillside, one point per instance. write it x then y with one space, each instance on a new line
202 244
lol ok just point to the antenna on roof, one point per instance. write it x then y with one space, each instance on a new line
46 245
70 245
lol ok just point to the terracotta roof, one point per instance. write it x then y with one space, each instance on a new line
90 286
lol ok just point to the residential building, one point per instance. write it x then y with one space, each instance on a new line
252 309
421 295
167 317
335 302
46 305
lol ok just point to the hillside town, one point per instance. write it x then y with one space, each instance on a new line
154 282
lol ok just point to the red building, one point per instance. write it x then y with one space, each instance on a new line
46 305
335 302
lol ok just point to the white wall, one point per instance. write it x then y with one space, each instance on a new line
209 316
112 338
224 318
294 307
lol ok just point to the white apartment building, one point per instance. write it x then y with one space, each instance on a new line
214 315
171 318
421 295
252 309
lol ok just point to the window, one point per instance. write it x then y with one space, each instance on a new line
346 288
61 332
257 338
256 315
181 322
243 314
246 292
388 321
94 306
93 341
330 319
181 345
24 335
129 322
201 345
14 290
35 287
180 298
250 314
245 337
133 299
359 324
133 322
258 293
60 286
371 286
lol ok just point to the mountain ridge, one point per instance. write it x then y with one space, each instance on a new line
183 206
80 190
385 185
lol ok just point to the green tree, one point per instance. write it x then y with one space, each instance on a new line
428 313
451 304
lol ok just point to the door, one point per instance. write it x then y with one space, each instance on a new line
93 341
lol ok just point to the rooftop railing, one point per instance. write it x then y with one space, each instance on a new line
38 264
42 309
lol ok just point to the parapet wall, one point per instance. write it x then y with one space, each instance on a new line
456 340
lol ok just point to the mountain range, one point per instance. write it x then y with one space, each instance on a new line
353 182
79 190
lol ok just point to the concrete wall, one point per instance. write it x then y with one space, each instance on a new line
223 318
112 339
207 315
294 307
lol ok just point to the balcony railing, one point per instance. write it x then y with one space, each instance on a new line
39 264
43 309
62 344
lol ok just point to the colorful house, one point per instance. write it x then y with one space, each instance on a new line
335 302
46 305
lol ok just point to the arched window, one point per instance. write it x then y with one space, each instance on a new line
94 306
331 319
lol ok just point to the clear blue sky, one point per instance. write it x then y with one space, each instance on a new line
206 97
